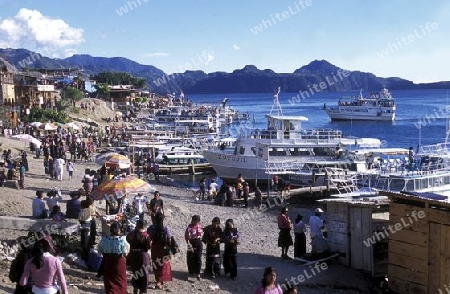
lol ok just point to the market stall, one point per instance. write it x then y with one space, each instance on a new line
118 207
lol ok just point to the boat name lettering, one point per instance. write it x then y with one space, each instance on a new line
232 158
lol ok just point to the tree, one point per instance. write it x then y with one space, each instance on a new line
71 94
6 117
39 114
120 78
102 90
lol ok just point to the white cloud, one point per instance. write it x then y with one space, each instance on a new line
156 54
210 57
31 30
236 47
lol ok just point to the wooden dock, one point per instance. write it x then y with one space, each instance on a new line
297 191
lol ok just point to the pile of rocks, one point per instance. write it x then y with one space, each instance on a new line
9 250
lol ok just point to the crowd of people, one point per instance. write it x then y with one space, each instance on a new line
123 249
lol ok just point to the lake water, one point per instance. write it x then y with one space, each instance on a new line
421 116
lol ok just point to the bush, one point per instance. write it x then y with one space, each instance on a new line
39 114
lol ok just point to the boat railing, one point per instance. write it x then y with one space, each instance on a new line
313 135
282 167
435 149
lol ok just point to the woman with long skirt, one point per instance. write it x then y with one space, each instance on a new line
160 236
114 249
231 240
193 235
284 237
139 259
212 237
300 237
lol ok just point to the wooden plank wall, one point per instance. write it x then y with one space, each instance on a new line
360 224
408 250
380 257
439 253
337 227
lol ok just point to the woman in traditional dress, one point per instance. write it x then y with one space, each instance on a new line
114 249
160 236
212 237
193 236
88 181
231 240
139 260
284 237
300 237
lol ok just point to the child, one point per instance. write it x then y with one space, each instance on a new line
69 168
57 215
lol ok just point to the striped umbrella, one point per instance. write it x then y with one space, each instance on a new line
120 187
116 158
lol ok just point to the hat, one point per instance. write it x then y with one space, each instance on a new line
318 210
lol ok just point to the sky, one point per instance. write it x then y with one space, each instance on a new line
389 38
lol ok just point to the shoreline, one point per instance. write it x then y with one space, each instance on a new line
258 247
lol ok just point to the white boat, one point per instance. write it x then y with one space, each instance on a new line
184 164
283 148
345 184
377 107
394 171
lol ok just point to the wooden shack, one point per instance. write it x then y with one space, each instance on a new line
351 224
419 255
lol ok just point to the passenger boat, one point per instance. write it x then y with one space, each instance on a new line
283 148
376 107
427 171
184 164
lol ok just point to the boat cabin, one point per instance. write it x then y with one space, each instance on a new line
181 159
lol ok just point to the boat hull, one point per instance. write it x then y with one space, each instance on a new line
334 115
228 166
169 169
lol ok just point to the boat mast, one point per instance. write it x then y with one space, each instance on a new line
447 125
276 103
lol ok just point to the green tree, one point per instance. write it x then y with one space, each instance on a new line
120 78
43 115
102 90
5 117
71 94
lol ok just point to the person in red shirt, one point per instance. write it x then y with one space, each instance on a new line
284 237
193 237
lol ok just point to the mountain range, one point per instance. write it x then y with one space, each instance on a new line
318 75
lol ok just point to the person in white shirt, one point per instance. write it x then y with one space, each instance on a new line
58 166
54 198
140 202
70 169
318 242
212 190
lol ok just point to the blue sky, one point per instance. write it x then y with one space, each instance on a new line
399 38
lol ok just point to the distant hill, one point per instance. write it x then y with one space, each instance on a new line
319 75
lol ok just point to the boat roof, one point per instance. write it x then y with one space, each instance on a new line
361 141
288 117
171 156
383 151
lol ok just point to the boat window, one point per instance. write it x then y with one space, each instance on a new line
253 150
242 150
